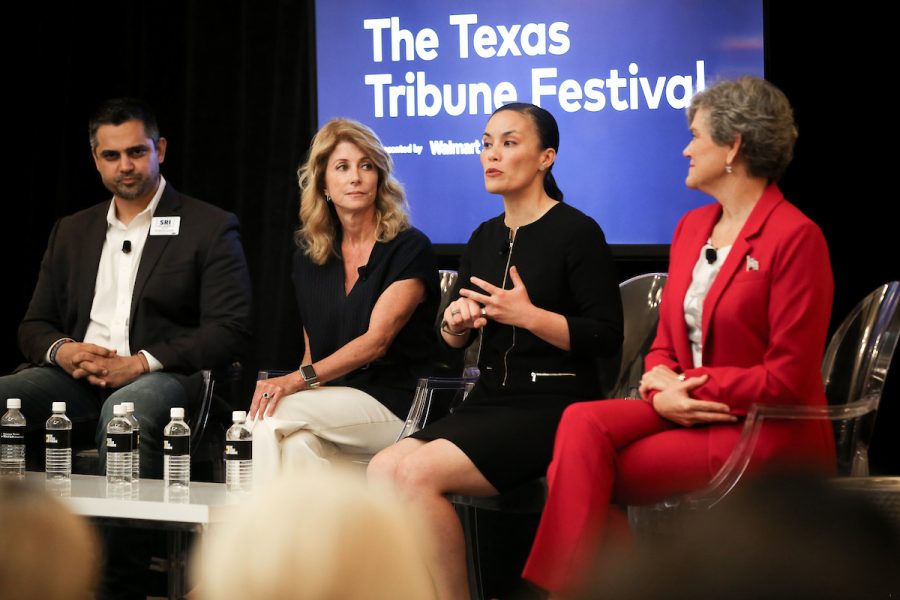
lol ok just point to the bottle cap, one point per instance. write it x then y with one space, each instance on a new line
239 416
59 407
129 406
118 410
14 403
177 412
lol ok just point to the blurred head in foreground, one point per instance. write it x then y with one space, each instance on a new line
783 538
322 535
46 552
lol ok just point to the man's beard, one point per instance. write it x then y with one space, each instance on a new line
138 189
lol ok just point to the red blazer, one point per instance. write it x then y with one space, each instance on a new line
765 322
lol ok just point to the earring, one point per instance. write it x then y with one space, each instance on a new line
327 198
729 169
542 168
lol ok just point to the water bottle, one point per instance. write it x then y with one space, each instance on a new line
238 454
59 488
135 441
177 450
118 447
12 440
177 494
58 444
120 490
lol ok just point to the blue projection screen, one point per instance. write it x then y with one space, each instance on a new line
616 74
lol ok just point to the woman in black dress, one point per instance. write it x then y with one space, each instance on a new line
538 281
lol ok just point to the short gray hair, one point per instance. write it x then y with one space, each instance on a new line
757 111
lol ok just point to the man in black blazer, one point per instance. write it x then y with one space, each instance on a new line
134 296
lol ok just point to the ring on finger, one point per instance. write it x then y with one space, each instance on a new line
455 311
266 395
484 312
681 377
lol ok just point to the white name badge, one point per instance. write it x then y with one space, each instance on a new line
165 225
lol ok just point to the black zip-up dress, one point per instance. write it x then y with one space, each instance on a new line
507 424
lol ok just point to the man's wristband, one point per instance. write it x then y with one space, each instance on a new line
54 349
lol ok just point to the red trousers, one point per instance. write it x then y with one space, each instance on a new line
606 452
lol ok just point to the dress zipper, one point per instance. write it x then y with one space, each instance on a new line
534 376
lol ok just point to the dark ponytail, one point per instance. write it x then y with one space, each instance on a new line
550 186
548 134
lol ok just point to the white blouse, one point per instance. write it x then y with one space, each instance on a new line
703 277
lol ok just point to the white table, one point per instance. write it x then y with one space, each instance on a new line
150 504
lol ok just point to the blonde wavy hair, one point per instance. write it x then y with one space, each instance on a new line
318 225
321 534
47 552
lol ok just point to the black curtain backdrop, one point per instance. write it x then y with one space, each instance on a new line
233 84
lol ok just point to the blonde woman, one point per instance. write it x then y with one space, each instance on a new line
367 290
322 536
46 551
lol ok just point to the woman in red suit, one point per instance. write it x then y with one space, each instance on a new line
744 318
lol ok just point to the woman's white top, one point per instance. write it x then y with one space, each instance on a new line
703 277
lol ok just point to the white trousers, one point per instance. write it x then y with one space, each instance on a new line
315 427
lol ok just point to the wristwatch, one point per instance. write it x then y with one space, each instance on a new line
309 376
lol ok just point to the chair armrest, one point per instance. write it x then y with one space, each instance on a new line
733 469
852 410
420 410
270 373
528 498
202 416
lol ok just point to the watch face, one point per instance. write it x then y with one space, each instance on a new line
307 372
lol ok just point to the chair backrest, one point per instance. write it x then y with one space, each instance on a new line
641 296
854 369
856 365
447 281
198 420
448 360
860 351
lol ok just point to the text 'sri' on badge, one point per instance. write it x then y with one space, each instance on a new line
165 225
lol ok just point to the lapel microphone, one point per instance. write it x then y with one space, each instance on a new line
711 255
126 247
504 247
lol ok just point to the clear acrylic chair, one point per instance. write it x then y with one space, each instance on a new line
211 419
854 369
641 296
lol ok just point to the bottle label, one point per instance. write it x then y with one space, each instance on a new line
176 445
118 442
12 434
238 450
136 440
58 439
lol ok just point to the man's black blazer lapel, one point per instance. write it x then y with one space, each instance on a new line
169 206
